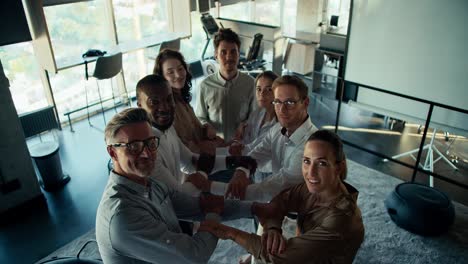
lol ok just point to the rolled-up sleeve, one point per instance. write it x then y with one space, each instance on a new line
317 246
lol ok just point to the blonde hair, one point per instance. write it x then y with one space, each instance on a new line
124 118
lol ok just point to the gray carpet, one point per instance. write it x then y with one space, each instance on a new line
384 241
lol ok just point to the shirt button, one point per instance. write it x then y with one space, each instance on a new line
168 241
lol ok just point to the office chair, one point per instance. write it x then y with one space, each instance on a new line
334 21
251 62
107 67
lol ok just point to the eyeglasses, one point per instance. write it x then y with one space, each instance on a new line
289 104
137 146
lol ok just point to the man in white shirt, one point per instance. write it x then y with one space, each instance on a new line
136 221
226 98
175 159
283 145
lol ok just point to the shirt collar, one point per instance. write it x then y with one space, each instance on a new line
223 81
130 185
159 133
303 131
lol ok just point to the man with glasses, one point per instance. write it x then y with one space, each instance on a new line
137 218
283 144
155 96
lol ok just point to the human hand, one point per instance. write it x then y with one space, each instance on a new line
219 141
210 131
273 242
238 185
239 134
219 230
235 149
199 181
210 203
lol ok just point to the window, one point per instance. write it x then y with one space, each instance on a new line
265 12
140 18
192 48
136 20
22 70
75 28
268 12
240 11
288 26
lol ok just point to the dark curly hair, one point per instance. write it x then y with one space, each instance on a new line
166 54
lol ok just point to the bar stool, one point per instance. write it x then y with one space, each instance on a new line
106 67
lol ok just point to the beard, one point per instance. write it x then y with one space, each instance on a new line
162 125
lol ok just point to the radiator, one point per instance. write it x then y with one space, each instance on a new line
36 122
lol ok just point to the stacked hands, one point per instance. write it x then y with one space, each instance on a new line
237 185
209 142
235 145
272 240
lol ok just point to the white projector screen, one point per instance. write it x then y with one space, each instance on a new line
417 48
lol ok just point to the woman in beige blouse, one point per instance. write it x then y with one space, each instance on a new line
197 137
329 222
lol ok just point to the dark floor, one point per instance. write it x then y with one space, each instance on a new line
370 131
70 212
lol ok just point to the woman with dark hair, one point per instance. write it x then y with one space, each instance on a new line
329 222
251 132
197 137
264 116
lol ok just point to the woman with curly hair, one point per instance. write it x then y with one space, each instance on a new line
197 137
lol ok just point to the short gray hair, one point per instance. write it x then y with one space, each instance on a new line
126 117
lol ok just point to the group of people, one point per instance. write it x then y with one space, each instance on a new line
249 150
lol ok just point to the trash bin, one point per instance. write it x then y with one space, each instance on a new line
47 159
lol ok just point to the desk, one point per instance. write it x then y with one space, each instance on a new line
350 91
125 47
306 37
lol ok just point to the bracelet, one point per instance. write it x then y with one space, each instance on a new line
246 171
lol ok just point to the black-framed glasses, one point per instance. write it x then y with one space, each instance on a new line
137 146
288 103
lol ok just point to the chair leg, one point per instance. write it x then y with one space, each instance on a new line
100 101
113 96
87 106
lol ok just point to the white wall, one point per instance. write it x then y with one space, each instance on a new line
417 48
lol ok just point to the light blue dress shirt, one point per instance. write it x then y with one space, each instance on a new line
139 224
